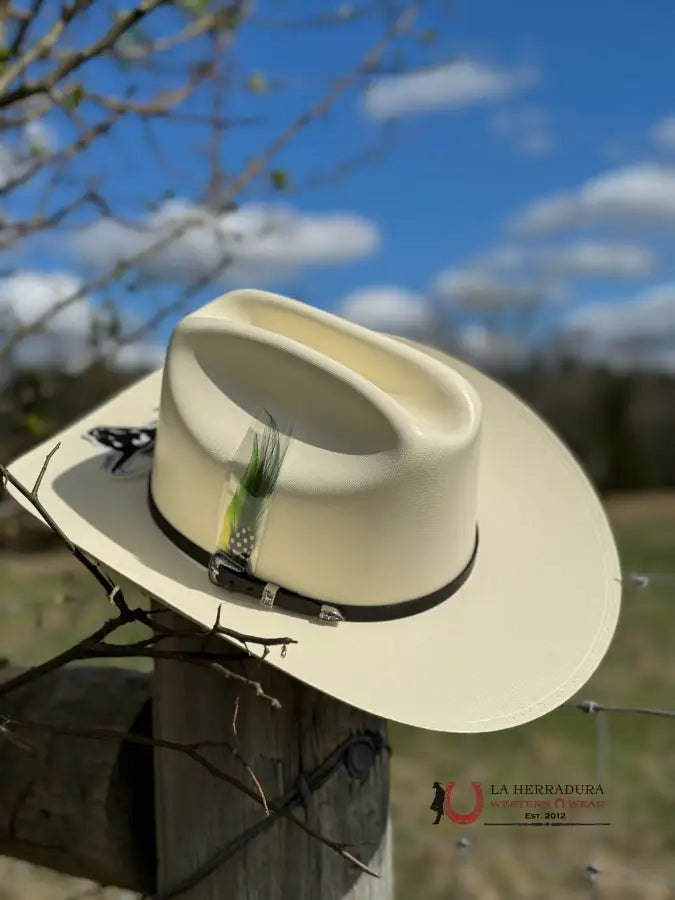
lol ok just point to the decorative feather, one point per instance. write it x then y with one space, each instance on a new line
246 508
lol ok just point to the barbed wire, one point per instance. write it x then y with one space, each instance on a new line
643 580
592 871
590 706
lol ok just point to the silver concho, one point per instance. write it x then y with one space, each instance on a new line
330 614
269 592
214 568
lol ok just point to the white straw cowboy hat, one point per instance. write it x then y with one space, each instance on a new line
435 551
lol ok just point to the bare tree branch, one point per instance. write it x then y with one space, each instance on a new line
347 12
13 231
81 143
402 24
151 48
124 22
39 50
24 24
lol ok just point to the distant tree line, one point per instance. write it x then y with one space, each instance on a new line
33 406
621 427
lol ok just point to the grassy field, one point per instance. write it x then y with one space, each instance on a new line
639 670
45 603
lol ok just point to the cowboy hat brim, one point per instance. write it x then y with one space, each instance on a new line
521 636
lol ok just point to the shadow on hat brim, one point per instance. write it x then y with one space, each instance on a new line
523 635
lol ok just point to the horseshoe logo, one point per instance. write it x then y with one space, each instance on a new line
463 818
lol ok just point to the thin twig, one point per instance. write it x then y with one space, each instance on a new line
74 60
39 50
160 105
24 24
13 231
41 475
82 142
235 716
160 45
217 629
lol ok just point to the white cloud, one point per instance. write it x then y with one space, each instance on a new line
636 194
512 276
264 243
595 259
550 214
65 341
651 315
143 354
528 130
452 86
502 259
637 333
389 308
663 133
35 138
475 289
39 136
489 349
398 311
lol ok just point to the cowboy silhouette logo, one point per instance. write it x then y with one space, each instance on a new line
442 804
437 802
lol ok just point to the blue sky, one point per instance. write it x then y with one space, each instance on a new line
562 99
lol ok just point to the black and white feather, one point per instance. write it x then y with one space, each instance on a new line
125 446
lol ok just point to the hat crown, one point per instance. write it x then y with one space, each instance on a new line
376 497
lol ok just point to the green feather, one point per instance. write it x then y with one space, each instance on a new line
258 482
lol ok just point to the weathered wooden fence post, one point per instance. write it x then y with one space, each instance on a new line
79 805
197 815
